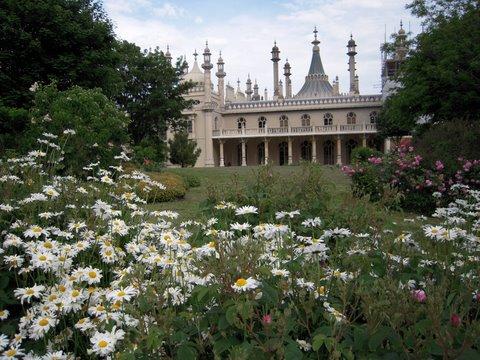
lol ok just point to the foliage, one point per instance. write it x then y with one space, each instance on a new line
419 185
265 189
434 11
168 187
439 80
449 141
153 94
109 278
183 151
70 42
13 121
148 152
191 180
100 127
361 154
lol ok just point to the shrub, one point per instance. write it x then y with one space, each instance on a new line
449 141
175 188
183 151
362 154
191 180
149 153
100 127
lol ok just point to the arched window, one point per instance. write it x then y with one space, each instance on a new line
241 123
261 153
190 125
328 152
283 153
306 150
215 123
283 121
262 121
373 117
351 118
305 120
328 119
351 144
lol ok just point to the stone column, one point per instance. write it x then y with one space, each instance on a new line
222 157
364 140
339 150
314 150
266 151
290 152
244 153
387 146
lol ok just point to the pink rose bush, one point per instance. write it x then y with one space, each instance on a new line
420 186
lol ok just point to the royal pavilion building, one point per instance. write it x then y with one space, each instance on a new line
318 124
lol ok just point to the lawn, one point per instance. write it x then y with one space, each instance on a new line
191 206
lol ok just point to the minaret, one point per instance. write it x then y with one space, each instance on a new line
168 56
280 89
265 94
351 46
275 59
336 87
288 82
249 90
207 107
401 47
256 95
221 75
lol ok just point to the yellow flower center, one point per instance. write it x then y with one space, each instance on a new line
43 322
29 292
48 245
102 344
121 293
11 352
42 258
52 297
75 293
321 290
2 312
92 274
37 229
241 282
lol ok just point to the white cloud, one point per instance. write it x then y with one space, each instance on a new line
169 10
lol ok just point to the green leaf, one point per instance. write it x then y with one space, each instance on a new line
231 315
318 341
224 344
186 352
293 352
378 337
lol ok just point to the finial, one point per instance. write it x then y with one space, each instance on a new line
401 24
220 53
206 43
315 31
195 54
351 36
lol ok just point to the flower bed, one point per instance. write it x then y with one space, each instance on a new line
88 272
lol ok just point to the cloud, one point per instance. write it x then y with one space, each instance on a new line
169 10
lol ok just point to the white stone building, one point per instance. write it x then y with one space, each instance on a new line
319 124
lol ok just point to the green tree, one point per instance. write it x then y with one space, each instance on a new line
68 41
101 128
440 80
153 94
183 151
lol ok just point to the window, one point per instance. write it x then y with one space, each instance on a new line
351 118
262 121
328 119
190 125
261 153
241 123
306 150
283 153
215 123
373 117
328 151
351 144
283 121
305 120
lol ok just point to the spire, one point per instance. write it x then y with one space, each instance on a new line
168 56
316 66
315 42
195 55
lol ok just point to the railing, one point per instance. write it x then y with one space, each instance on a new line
297 130
302 102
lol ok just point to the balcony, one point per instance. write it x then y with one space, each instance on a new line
296 131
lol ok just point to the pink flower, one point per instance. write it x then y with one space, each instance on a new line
439 165
266 319
375 160
419 295
455 320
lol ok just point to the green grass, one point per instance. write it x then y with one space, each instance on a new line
190 206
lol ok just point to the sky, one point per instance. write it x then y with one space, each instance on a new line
244 31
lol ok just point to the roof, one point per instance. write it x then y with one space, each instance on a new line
195 75
316 82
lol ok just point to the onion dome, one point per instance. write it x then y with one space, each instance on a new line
196 75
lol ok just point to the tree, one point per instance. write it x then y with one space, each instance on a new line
440 80
70 42
101 128
153 94
183 151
